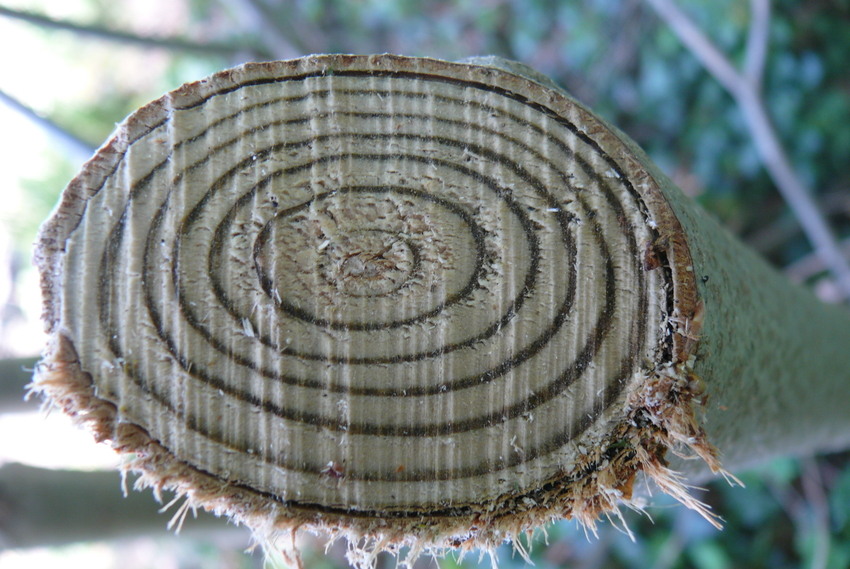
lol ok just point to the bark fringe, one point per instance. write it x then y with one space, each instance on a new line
660 417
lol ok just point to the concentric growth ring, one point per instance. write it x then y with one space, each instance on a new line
368 290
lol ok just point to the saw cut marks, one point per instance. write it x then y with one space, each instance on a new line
360 286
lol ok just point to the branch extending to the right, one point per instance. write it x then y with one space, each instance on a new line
744 86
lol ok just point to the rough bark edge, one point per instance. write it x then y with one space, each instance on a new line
660 418
659 413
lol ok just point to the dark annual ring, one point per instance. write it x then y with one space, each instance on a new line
292 310
440 389
563 220
415 270
625 180
480 381
515 410
512 308
552 444
434 390
485 87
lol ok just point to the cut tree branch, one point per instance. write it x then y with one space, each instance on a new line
648 306
203 48
764 135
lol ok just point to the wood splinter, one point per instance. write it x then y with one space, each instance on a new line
411 302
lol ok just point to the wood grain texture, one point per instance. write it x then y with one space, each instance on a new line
343 291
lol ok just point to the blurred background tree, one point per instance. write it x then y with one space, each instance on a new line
73 68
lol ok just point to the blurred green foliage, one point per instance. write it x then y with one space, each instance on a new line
617 57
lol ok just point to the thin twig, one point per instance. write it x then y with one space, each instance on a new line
260 18
299 31
757 42
765 138
77 148
698 43
204 48
815 495
809 265
792 188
